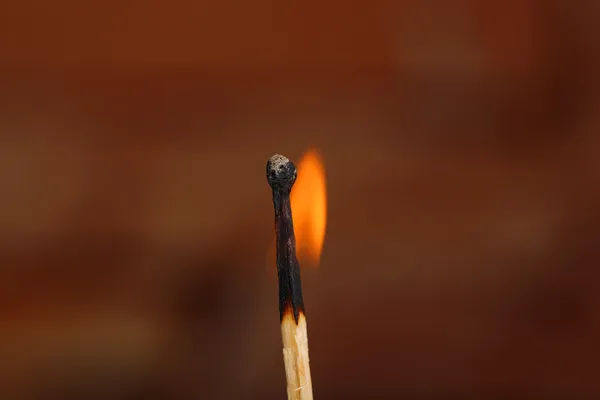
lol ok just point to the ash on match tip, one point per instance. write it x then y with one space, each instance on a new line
281 172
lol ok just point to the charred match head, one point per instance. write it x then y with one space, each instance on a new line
281 175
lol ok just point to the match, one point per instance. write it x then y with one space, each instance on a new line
281 175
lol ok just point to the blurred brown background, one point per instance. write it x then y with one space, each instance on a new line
461 144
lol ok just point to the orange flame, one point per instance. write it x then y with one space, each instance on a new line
309 209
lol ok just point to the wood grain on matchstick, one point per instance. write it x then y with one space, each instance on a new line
295 357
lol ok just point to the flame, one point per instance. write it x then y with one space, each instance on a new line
309 207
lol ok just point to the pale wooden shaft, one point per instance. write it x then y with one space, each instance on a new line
295 357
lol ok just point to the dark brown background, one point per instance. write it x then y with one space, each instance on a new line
461 144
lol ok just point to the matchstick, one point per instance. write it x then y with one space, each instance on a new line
281 175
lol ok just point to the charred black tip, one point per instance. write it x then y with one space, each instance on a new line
281 173
290 300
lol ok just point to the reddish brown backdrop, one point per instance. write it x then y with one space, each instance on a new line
461 145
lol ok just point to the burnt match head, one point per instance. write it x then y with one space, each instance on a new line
281 173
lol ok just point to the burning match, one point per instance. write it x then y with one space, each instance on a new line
281 175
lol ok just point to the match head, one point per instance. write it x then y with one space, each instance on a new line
281 172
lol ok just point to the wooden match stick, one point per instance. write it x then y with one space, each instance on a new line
281 175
